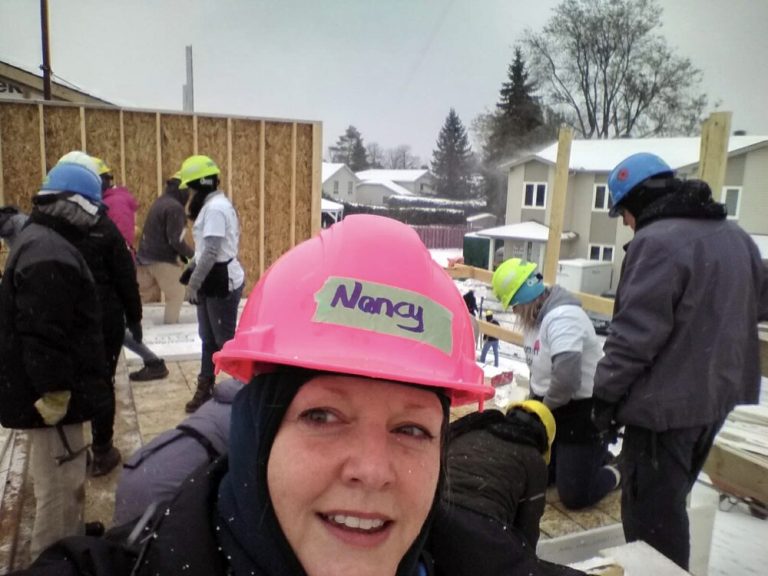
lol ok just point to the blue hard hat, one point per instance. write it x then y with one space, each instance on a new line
75 178
632 171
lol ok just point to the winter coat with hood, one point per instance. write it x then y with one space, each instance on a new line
683 348
50 325
122 208
222 520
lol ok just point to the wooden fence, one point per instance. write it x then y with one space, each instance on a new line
441 236
270 168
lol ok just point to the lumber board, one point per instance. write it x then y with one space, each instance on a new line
557 207
714 150
737 472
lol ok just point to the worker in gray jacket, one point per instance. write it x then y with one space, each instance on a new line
683 348
154 473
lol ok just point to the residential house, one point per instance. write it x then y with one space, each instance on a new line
419 182
18 82
599 237
339 182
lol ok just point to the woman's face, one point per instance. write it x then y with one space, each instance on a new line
353 471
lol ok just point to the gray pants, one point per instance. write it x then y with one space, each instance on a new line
216 323
59 489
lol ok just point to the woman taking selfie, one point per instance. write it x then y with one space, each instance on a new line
354 343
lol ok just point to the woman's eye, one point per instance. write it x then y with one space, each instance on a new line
318 416
415 431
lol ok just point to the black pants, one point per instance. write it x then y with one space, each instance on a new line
658 472
580 475
465 543
103 423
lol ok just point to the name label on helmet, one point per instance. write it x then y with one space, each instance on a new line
384 309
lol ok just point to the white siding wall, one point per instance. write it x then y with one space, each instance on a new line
345 181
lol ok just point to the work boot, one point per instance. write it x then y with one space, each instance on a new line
104 460
203 393
152 370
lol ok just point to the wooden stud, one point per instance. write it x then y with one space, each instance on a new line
230 192
159 152
83 139
41 125
2 190
714 150
262 170
122 147
557 209
293 185
194 134
317 171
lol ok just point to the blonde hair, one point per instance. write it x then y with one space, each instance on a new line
528 313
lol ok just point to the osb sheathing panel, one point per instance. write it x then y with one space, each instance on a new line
102 138
177 135
62 133
212 142
277 188
20 134
303 182
139 130
246 174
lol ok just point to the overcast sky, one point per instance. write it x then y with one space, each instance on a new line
392 68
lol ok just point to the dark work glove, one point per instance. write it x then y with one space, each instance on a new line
136 331
604 419
184 260
186 275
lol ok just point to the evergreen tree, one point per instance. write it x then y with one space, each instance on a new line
518 121
452 159
350 150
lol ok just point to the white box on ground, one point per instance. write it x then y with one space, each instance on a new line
582 275
581 546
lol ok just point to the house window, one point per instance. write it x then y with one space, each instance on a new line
602 252
535 195
601 199
335 187
732 200
349 188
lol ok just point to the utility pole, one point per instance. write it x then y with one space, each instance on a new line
188 92
46 67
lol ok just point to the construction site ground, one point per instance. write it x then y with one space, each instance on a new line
145 409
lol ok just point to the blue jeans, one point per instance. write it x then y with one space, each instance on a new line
139 348
216 323
494 344
580 475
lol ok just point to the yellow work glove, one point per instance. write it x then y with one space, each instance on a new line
53 406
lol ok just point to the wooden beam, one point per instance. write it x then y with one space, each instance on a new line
501 333
159 153
317 177
83 139
262 192
714 151
557 208
41 126
464 271
293 184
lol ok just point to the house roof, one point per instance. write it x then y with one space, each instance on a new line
531 231
393 175
330 206
329 169
32 80
604 155
389 185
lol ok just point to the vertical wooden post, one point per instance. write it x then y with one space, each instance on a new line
557 208
230 192
714 151
293 184
159 152
122 146
194 134
317 177
262 183
83 139
2 191
41 127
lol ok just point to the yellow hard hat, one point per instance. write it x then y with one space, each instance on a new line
195 168
546 417
514 282
102 166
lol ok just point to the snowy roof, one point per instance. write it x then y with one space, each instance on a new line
523 231
389 185
480 216
604 155
329 169
762 243
393 175
330 205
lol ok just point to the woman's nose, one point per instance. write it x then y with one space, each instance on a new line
370 461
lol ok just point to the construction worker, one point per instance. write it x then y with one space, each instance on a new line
488 522
215 276
561 350
12 220
490 342
683 348
53 374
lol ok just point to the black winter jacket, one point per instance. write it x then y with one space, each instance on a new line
162 237
50 327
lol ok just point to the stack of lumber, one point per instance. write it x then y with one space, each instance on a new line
738 461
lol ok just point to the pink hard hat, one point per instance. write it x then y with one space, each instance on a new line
364 298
